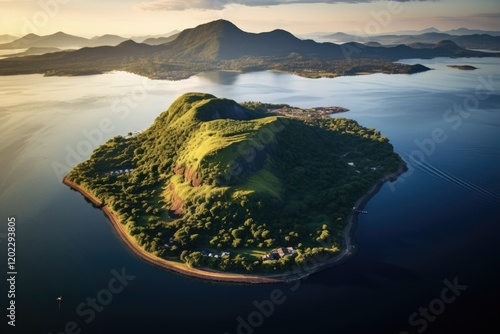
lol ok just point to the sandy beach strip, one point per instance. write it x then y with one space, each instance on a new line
170 265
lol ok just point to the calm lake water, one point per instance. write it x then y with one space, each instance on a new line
438 222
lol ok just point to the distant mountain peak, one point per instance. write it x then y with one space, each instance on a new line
282 33
431 29
109 35
127 44
221 22
219 26
447 44
31 35
59 34
340 33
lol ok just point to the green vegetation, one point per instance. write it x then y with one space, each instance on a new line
211 175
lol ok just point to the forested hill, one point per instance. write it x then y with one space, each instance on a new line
212 174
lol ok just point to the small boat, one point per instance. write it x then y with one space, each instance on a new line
59 299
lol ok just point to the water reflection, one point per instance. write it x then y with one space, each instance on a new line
220 77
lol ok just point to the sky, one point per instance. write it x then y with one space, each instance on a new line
127 18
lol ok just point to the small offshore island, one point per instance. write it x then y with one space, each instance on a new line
247 192
463 67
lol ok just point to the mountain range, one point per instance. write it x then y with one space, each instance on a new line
142 39
220 45
223 40
7 38
465 31
467 38
456 32
468 41
63 40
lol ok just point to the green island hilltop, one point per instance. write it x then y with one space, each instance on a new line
237 191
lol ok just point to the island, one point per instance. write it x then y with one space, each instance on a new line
463 67
235 192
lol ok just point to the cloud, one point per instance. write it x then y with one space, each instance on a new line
178 5
488 16
479 17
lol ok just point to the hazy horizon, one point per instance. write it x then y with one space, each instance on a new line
142 17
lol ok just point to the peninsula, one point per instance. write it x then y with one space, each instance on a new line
238 192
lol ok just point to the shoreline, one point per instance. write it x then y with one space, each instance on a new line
349 247
166 264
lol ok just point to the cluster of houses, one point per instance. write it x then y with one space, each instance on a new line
302 113
330 110
278 253
170 242
357 171
120 171
208 253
